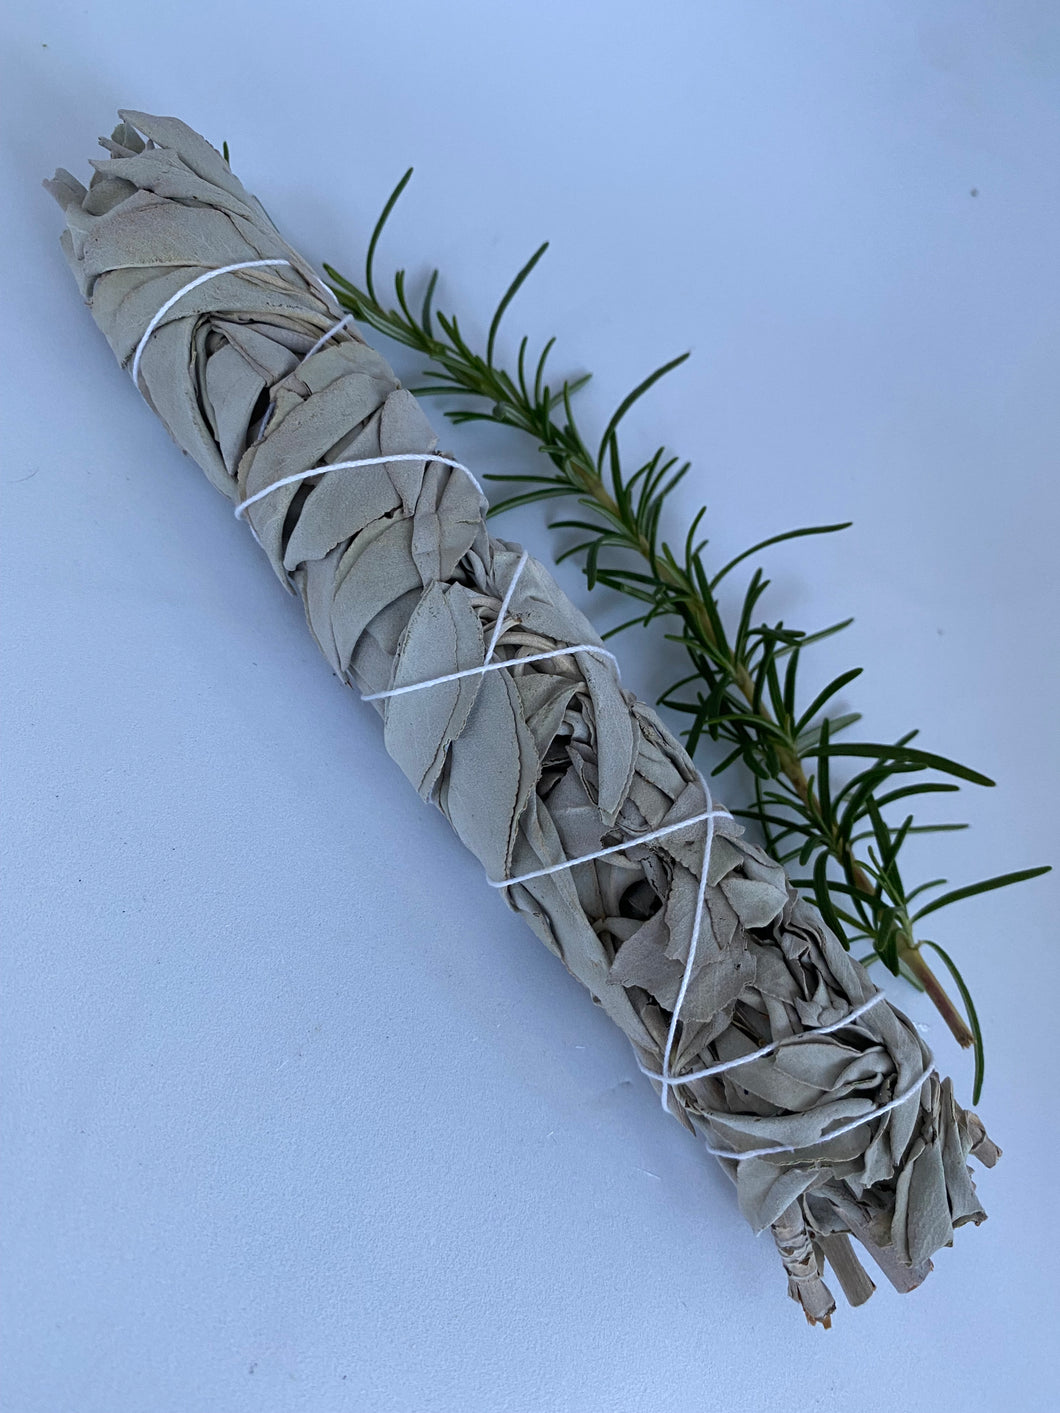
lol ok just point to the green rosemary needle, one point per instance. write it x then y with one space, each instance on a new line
743 687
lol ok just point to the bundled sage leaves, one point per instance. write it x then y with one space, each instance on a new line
819 1098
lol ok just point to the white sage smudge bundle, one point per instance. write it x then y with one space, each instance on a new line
502 707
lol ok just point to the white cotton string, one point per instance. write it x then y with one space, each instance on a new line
296 476
848 1019
201 280
876 1113
322 340
498 627
686 976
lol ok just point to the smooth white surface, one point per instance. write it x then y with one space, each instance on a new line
297 1115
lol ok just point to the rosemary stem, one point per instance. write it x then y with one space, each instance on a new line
909 952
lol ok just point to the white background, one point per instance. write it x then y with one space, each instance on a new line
297 1115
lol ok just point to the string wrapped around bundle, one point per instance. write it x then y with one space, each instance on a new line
504 709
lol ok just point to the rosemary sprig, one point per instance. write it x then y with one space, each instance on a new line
743 689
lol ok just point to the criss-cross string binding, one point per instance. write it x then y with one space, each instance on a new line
664 1077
